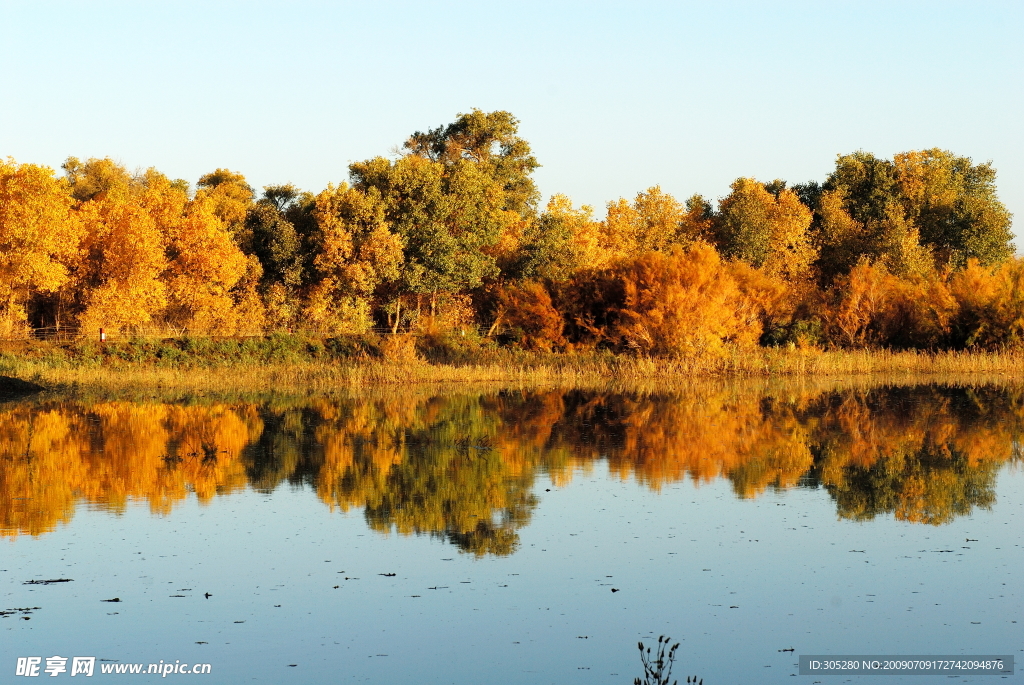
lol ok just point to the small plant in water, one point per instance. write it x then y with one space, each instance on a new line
658 665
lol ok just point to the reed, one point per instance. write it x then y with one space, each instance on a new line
312 367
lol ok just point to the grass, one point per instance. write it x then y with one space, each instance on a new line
297 365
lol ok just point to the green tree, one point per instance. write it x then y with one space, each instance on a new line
276 234
954 206
766 226
922 209
491 141
452 198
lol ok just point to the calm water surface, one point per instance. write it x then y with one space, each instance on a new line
514 537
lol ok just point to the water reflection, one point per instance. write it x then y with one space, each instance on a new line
463 467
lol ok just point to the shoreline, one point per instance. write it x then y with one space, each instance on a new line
309 367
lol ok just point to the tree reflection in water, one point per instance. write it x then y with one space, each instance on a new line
463 467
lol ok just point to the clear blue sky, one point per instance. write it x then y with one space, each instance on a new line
613 97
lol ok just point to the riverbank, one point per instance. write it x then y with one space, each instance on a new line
295 364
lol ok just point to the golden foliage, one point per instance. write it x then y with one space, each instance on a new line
227 194
685 303
655 221
567 240
451 228
39 238
207 265
110 453
125 261
871 306
527 312
356 253
991 303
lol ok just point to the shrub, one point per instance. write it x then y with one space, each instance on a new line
684 303
353 346
399 348
871 306
991 305
529 317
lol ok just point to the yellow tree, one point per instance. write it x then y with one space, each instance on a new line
127 258
655 221
660 218
125 248
204 268
696 223
38 238
228 194
619 228
841 240
356 253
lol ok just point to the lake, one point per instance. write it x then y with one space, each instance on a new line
514 536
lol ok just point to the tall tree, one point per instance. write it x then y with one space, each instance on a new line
766 227
125 244
355 257
489 140
229 195
204 266
453 197
563 240
954 206
39 237
921 208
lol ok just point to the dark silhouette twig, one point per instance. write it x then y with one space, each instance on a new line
658 665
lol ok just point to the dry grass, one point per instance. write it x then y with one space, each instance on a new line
522 370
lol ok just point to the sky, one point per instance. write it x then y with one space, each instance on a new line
613 97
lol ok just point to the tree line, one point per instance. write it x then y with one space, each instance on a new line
912 252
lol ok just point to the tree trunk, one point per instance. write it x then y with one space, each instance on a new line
398 315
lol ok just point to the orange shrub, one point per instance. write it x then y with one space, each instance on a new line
526 310
870 306
991 303
683 303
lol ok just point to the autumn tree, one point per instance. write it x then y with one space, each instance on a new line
125 257
489 140
920 210
954 206
228 196
766 226
355 258
563 240
653 221
525 313
204 267
153 256
39 238
871 306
